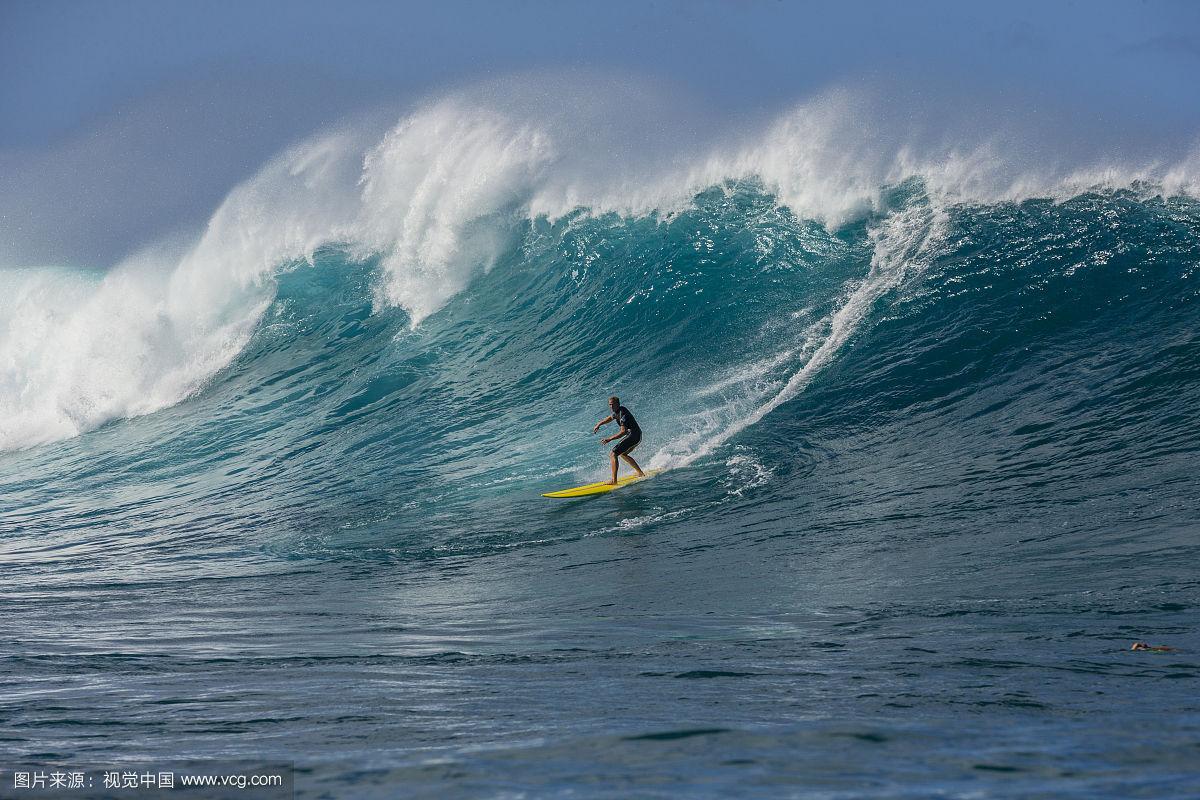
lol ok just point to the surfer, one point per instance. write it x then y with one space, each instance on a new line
630 436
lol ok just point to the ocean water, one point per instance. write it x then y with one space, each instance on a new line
929 460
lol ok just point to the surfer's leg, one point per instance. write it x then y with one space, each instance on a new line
624 449
629 460
612 457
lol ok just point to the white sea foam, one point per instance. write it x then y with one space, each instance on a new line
434 198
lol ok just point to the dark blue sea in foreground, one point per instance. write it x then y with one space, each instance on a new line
929 475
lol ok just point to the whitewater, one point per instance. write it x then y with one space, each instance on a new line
435 200
927 409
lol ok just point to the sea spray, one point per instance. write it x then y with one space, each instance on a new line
436 201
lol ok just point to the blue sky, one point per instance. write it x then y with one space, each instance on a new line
167 104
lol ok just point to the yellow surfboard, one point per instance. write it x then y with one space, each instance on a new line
600 488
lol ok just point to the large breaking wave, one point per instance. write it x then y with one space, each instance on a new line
830 190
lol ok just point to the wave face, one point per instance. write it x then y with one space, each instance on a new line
1039 341
899 404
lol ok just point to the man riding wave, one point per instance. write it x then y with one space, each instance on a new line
630 435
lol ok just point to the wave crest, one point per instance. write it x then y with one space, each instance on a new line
435 199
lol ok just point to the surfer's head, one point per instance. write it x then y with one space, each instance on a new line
614 402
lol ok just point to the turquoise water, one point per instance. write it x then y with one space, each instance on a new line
929 473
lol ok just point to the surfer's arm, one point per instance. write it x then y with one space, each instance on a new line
619 434
604 421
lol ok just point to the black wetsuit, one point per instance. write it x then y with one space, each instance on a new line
633 435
